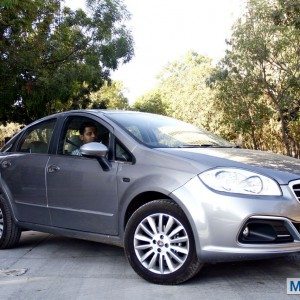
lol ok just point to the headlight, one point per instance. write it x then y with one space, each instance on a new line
232 180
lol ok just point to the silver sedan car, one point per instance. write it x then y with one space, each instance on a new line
173 195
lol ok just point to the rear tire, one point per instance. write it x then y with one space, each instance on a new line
9 232
159 243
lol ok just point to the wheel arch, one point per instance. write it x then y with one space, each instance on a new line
147 196
139 200
7 197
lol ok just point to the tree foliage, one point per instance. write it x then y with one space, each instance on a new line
184 88
52 58
258 80
182 91
151 102
254 94
110 96
6 132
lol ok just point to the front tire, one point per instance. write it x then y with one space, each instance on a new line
9 232
159 243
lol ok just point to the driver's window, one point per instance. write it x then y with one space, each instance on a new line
79 131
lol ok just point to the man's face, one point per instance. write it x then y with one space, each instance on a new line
89 135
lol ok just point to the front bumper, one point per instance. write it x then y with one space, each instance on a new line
217 220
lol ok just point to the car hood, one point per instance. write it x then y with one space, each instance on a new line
280 167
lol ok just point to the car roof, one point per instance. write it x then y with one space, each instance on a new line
96 112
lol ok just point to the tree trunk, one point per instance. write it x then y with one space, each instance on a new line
284 133
253 137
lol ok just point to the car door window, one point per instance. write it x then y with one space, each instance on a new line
71 138
37 138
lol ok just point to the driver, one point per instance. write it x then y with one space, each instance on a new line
88 133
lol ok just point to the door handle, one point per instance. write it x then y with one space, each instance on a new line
53 168
5 164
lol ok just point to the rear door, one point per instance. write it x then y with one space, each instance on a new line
23 173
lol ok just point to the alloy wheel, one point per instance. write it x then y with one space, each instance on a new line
161 243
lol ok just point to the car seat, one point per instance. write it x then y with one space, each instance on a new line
72 143
38 147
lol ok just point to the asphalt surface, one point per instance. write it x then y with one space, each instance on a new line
53 267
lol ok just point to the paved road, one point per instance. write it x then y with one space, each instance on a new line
63 268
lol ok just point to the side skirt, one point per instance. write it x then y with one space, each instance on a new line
106 239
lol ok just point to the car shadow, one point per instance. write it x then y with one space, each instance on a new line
33 239
254 272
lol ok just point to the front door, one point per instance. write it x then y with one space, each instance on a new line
81 195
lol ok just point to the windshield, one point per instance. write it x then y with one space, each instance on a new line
163 132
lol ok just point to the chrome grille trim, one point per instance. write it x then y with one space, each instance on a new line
295 188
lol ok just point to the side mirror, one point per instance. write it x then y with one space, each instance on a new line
94 149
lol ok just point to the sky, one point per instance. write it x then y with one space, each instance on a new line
165 30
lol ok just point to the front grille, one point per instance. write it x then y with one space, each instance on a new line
296 190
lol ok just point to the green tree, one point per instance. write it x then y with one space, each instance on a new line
52 58
183 87
260 71
151 102
287 13
8 3
8 131
243 111
182 92
110 96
